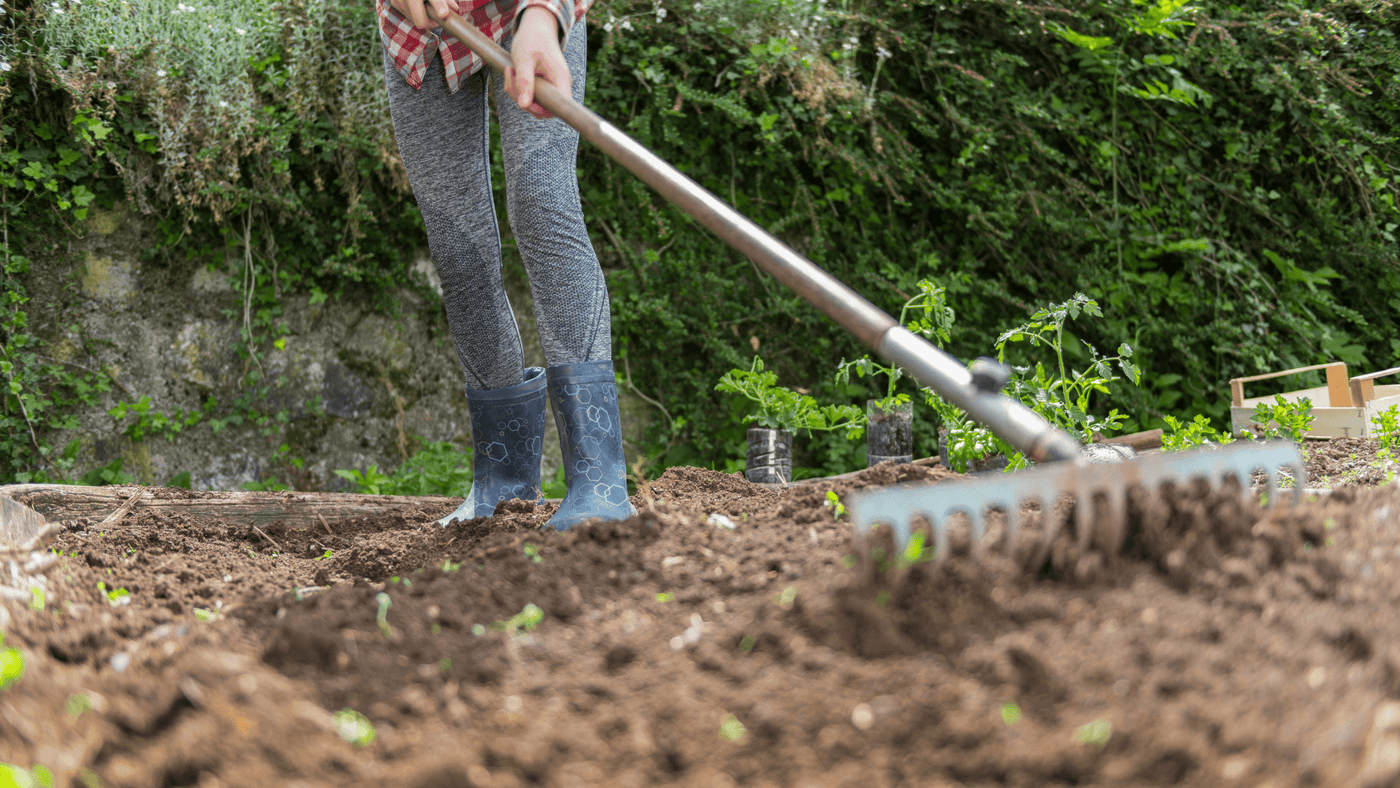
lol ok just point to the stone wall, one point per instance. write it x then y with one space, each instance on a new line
358 384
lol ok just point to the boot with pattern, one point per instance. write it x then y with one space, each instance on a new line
584 399
507 435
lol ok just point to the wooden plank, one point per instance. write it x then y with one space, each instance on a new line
1139 441
18 523
1269 375
1338 387
296 509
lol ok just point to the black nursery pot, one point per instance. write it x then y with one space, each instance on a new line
889 432
769 457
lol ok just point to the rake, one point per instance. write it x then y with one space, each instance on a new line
975 389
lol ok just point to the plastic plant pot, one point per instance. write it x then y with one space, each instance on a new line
769 456
889 432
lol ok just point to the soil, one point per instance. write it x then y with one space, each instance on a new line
730 634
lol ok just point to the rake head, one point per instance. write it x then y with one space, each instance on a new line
1102 528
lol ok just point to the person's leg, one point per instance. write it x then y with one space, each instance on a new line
571 300
443 139
546 217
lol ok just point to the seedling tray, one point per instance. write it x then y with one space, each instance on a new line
1343 408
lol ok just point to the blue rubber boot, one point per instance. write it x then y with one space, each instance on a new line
507 433
584 399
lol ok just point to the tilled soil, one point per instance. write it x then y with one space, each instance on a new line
1227 644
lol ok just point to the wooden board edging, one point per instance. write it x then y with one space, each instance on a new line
296 509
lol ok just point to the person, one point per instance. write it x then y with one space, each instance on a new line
438 100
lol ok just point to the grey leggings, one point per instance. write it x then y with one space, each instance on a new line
444 139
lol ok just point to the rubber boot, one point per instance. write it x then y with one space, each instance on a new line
584 400
507 433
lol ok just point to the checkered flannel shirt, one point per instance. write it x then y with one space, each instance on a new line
412 48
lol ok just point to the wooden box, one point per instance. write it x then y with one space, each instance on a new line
1341 409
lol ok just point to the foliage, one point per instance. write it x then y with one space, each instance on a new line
784 409
1386 428
20 777
11 665
1283 418
934 322
354 727
1181 436
438 468
1062 396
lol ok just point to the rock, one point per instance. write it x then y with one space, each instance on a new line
1381 763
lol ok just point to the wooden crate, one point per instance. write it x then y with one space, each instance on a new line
1341 409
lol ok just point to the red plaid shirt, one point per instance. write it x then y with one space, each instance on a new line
412 48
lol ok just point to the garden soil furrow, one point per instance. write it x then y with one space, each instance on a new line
1227 644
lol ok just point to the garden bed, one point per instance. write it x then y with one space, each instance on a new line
1226 645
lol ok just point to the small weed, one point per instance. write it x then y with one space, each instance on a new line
382 616
11 666
555 488
532 551
354 727
731 729
787 597
445 664
20 777
205 615
37 602
77 704
115 597
527 619
1010 713
1096 733
323 556
834 501
746 643
448 566
882 598
664 597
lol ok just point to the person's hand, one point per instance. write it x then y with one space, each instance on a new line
417 12
534 52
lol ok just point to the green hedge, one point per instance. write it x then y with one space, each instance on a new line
1219 177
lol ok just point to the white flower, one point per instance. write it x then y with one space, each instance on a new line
699 6
4 66
853 40
160 72
223 103
882 53
660 14
607 27
240 31
625 24
111 86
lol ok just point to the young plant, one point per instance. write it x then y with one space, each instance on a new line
934 322
1189 435
834 501
1387 430
11 665
1283 419
1062 396
783 409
